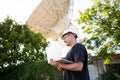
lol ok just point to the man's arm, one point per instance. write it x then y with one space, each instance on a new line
77 66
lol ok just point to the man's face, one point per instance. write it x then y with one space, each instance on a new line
67 39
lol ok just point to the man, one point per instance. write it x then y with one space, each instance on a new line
77 54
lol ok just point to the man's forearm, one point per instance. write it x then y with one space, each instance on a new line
72 67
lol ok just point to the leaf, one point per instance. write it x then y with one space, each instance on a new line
102 24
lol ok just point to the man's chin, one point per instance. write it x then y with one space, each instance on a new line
68 45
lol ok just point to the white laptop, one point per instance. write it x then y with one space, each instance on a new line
55 52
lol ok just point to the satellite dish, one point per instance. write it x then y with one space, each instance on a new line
50 18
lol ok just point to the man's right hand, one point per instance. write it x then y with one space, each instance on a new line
55 64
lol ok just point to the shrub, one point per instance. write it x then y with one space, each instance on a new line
31 71
109 75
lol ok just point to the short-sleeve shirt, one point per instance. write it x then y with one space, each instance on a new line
77 53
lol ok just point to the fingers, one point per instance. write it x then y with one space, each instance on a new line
56 64
59 68
51 60
53 63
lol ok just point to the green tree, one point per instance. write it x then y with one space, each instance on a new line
19 44
102 24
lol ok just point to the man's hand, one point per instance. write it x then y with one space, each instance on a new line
53 63
56 64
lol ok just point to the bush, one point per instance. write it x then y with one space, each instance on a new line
31 71
109 75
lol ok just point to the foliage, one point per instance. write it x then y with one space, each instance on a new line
112 72
102 24
114 67
19 44
37 70
109 75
